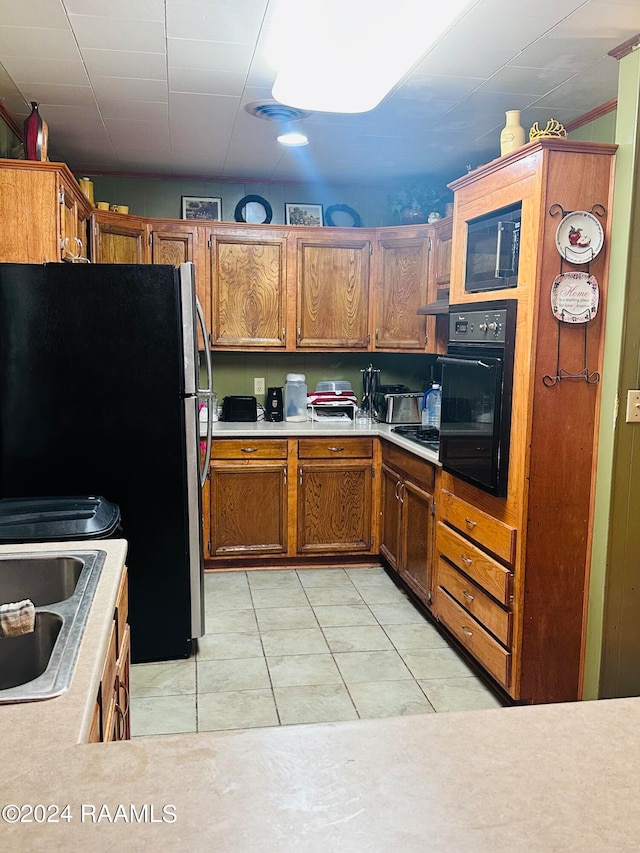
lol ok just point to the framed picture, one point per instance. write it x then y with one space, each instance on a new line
199 207
303 214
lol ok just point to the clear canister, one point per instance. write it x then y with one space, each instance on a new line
295 397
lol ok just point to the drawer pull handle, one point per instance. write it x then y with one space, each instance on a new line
249 449
470 522
467 595
466 560
335 449
467 631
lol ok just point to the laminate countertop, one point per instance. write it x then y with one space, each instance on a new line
544 778
314 429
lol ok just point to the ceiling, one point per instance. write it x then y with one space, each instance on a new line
159 87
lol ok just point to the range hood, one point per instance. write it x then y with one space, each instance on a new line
440 306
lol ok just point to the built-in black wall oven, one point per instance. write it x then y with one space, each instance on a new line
477 382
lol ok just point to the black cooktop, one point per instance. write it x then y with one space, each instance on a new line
428 437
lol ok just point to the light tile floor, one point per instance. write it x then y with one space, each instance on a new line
319 645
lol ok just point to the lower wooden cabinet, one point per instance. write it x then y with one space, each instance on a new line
111 720
407 508
291 498
335 490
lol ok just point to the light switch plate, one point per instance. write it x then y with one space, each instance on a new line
633 407
258 386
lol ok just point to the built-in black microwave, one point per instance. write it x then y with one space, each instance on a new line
493 250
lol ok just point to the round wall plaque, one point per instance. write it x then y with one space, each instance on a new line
253 209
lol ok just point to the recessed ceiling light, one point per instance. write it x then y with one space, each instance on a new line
292 138
344 56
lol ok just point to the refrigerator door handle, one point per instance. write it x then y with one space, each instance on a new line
205 392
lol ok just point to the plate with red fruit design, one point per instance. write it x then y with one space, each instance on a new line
579 237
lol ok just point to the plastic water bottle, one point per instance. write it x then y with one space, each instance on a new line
432 407
295 397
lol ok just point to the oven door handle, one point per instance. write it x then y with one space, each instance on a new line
474 362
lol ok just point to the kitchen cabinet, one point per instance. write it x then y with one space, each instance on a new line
440 273
511 572
407 508
248 273
335 495
332 278
291 498
402 257
119 238
43 211
248 498
111 719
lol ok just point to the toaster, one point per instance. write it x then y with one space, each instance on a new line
405 408
236 408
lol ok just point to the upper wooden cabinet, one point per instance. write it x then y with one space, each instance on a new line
402 268
332 291
248 273
43 213
118 239
173 244
440 273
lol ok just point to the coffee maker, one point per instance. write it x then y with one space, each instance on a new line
273 405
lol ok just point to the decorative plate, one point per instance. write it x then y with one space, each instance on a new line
253 208
579 237
349 212
574 297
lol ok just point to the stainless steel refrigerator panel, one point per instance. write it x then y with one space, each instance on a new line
189 335
196 556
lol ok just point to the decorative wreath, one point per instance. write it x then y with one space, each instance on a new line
240 206
342 208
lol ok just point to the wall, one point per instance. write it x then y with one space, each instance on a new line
156 197
613 629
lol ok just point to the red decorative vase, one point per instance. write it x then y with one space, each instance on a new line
35 135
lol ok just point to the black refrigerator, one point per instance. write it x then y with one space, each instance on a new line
99 395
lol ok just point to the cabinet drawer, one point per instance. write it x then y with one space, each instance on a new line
496 620
494 535
480 567
248 448
335 448
470 633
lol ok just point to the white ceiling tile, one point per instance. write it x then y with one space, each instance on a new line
48 95
238 23
139 10
106 33
617 21
130 89
203 82
566 54
427 86
35 69
125 63
146 111
528 81
36 41
35 13
581 90
208 55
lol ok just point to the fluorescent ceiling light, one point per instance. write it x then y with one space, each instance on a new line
292 138
344 56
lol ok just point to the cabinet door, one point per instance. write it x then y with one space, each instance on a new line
73 226
390 512
334 507
402 264
332 292
248 280
172 245
417 538
118 239
441 255
248 509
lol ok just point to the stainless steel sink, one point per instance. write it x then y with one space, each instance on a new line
44 580
40 665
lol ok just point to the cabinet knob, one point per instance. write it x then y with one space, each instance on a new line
249 449
470 523
467 631
335 449
466 560
467 595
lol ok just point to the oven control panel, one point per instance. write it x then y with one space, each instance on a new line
478 326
